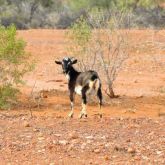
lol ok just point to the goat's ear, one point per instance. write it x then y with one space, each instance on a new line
58 62
74 61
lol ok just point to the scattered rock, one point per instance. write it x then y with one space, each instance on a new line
135 81
137 158
128 140
145 157
130 110
58 107
55 142
89 141
106 157
91 162
103 137
50 147
40 134
140 96
73 135
40 151
36 130
89 137
63 142
59 117
58 135
41 138
51 164
23 118
131 150
75 141
70 147
8 163
40 74
119 148
159 152
83 146
96 150
26 124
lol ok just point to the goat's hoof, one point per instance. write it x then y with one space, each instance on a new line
80 116
70 115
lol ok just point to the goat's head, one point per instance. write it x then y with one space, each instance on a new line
66 63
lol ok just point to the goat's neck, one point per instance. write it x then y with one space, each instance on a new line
72 74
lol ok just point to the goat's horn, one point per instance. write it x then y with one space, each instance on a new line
72 58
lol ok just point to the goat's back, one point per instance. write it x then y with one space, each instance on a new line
84 78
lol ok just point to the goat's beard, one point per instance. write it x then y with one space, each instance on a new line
65 72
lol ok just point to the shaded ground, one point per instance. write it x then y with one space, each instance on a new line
132 130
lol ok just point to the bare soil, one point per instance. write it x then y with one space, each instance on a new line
132 130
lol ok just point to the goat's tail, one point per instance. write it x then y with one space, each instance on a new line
97 84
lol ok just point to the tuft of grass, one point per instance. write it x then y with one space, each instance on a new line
162 89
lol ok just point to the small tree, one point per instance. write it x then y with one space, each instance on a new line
80 35
110 43
14 63
99 44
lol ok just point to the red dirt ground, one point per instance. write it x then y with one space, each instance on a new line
132 130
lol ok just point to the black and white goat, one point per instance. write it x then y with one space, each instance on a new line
82 83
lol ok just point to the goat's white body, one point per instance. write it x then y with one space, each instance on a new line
67 77
93 87
78 89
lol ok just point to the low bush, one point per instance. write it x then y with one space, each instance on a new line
14 64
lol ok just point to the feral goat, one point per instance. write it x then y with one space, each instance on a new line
81 83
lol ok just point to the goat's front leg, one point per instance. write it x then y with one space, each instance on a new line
84 102
71 104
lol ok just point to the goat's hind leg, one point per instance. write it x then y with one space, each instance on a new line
100 98
84 102
71 104
83 111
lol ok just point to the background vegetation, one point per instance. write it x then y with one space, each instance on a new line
62 13
103 47
14 63
85 17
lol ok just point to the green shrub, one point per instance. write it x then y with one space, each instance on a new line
80 35
14 63
7 96
80 32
